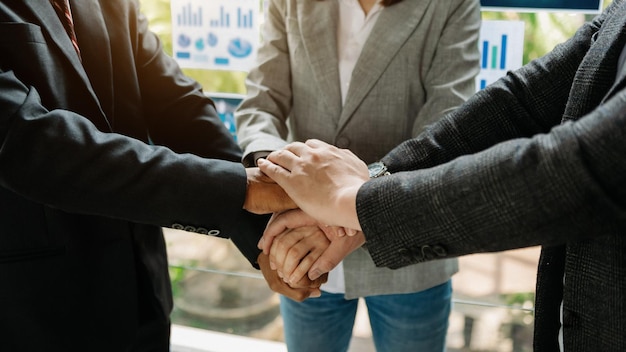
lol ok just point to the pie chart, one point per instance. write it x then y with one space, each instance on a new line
239 48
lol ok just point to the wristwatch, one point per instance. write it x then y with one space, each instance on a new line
377 169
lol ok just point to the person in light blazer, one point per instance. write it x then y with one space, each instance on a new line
536 158
364 75
100 147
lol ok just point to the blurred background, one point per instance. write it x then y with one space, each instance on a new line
216 290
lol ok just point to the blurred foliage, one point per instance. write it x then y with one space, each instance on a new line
543 31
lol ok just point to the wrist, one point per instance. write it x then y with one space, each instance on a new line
347 216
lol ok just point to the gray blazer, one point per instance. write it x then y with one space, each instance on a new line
418 64
537 158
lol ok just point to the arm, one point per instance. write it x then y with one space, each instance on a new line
261 117
554 188
526 102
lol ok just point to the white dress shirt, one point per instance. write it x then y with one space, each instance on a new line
353 30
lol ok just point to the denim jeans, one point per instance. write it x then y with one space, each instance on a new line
400 322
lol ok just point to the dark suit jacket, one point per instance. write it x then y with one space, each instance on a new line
83 194
538 158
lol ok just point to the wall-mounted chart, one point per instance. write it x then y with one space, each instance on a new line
588 6
501 45
215 34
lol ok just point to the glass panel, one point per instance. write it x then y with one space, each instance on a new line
215 288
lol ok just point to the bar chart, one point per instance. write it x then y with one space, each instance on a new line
215 34
501 47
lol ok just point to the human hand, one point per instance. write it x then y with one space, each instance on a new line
322 179
294 251
280 224
305 288
264 195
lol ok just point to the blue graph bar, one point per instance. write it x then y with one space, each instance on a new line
223 21
188 17
483 83
221 61
244 21
485 54
503 52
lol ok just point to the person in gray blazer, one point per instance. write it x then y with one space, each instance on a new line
102 145
364 75
537 158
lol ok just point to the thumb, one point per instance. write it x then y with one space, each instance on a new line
331 257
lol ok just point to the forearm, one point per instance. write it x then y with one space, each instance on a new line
551 189
523 103
261 117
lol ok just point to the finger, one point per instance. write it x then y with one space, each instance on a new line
312 246
265 243
280 222
302 268
285 158
315 143
297 253
274 171
334 254
350 232
279 286
296 148
280 249
305 282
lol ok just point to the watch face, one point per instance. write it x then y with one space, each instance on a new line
377 169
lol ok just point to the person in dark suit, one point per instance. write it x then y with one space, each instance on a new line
101 144
537 158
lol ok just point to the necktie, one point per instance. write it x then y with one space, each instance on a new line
62 7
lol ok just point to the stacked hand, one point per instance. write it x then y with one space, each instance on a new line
299 247
322 180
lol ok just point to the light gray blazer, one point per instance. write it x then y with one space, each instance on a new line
418 64
538 157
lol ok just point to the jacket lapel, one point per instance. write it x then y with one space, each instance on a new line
50 23
595 79
380 48
95 51
319 35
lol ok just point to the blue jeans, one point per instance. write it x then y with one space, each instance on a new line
401 322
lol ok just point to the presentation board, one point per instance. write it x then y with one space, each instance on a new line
588 6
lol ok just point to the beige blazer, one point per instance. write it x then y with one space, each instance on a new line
419 63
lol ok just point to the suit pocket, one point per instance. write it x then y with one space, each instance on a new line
20 33
32 254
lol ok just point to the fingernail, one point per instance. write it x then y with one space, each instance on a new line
280 274
315 274
260 244
272 266
341 232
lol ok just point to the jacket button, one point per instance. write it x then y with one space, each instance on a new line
440 250
213 233
405 253
178 227
428 253
202 231
190 229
